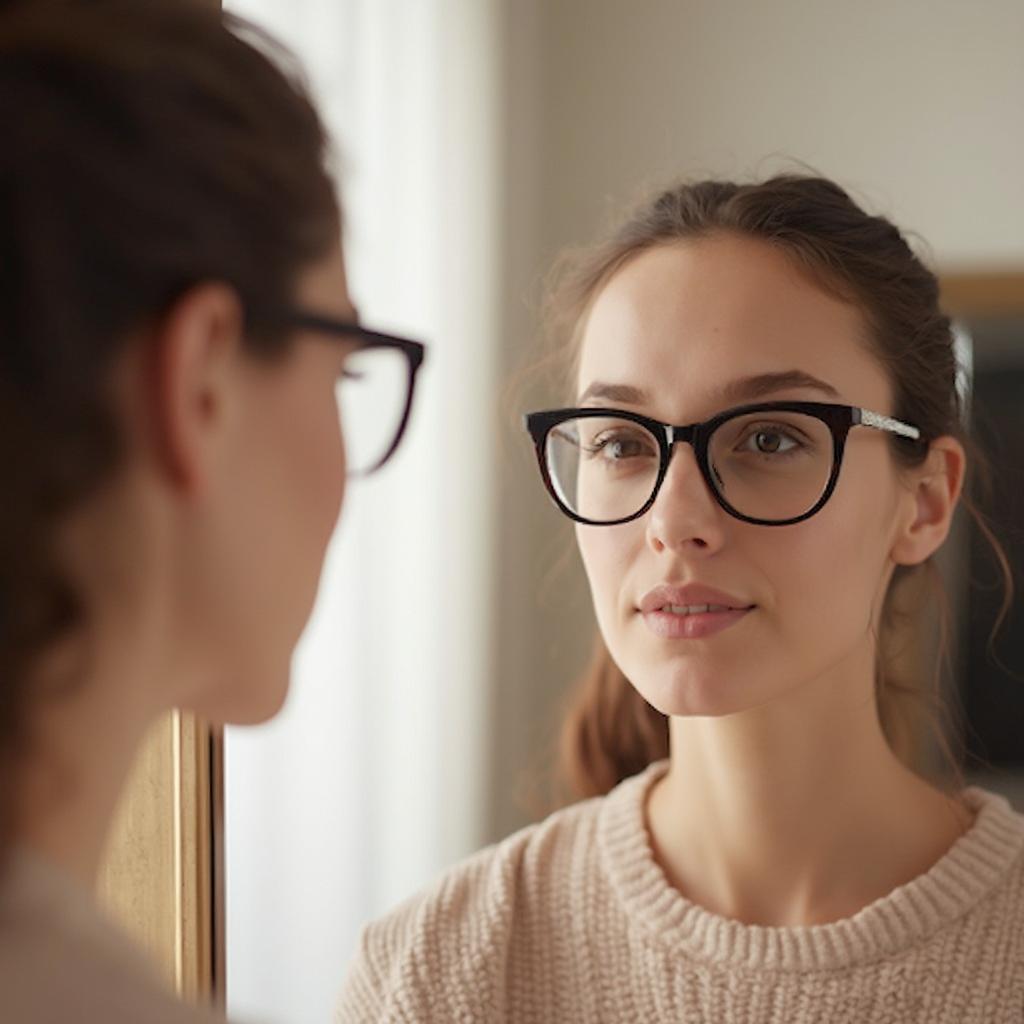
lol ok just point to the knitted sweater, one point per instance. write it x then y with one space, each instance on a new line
573 920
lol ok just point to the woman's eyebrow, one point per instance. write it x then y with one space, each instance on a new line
613 393
743 389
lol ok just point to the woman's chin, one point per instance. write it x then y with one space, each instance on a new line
686 693
248 700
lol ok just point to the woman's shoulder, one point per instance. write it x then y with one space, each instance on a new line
452 940
492 885
61 959
992 850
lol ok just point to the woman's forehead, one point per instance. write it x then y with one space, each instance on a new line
698 316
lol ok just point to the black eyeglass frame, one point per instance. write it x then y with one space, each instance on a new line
414 352
838 418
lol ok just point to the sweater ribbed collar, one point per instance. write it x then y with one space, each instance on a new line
969 872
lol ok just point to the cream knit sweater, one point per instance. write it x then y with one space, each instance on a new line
573 920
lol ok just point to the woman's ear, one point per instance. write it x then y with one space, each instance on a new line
935 488
195 347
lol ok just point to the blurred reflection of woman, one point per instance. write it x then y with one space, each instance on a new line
175 331
765 447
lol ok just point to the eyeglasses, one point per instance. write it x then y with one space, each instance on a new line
375 390
771 464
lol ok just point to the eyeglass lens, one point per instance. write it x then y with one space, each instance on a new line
373 394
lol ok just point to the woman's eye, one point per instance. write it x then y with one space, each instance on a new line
618 447
770 442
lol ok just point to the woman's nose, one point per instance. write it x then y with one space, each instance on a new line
685 513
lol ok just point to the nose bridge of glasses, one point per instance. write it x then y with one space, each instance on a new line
677 435
680 435
687 433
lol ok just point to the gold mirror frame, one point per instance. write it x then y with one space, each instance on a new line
162 878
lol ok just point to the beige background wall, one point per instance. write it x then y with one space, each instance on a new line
916 106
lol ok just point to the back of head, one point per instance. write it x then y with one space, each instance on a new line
148 145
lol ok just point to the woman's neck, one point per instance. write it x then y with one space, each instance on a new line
796 812
83 738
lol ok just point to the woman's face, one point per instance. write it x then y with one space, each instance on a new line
269 516
693 329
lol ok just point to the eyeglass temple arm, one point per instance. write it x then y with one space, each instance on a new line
879 422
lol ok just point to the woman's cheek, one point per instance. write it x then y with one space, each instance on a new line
607 561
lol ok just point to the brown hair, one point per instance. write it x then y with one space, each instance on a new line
147 145
610 731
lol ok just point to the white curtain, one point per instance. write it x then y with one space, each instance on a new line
372 778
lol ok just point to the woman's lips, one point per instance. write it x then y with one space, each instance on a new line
673 623
691 611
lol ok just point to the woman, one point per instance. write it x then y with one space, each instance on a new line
174 324
764 445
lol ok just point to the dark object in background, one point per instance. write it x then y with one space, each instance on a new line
992 683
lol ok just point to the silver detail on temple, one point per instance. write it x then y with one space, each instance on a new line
880 422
